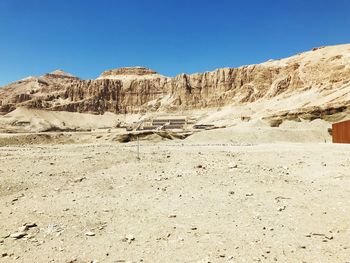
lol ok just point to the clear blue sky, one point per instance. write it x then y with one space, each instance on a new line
86 37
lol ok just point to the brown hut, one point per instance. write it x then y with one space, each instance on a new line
341 132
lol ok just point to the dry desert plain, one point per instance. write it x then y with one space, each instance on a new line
192 200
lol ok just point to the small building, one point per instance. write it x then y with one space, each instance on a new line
170 122
341 132
165 123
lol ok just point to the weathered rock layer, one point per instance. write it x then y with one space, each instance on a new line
322 75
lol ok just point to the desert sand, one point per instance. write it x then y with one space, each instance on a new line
192 200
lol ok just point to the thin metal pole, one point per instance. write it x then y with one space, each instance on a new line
138 148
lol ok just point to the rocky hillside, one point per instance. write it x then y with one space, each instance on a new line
310 84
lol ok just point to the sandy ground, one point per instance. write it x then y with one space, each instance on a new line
182 202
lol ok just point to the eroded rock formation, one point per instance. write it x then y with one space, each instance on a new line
321 78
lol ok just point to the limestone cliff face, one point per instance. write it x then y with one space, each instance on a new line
321 78
128 71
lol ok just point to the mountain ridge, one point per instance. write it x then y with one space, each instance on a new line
319 78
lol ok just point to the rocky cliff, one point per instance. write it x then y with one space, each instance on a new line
315 82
